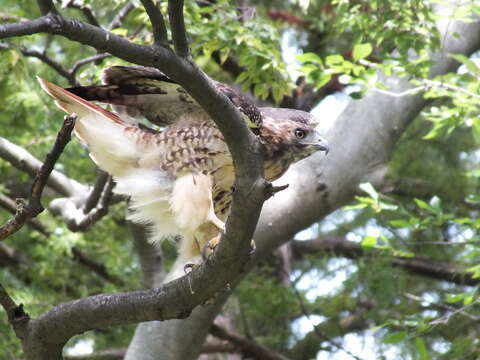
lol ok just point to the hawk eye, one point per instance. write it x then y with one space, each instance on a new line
300 134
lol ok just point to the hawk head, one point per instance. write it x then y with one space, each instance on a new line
288 136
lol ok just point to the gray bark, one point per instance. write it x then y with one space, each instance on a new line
361 141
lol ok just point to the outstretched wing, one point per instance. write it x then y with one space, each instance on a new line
139 91
114 144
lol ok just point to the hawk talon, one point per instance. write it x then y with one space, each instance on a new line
209 247
253 247
188 268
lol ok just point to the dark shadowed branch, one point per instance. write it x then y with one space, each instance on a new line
11 206
248 347
27 210
96 192
16 316
214 347
82 62
120 16
86 9
44 58
46 6
98 268
437 269
177 25
158 23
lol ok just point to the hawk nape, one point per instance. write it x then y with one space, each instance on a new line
179 179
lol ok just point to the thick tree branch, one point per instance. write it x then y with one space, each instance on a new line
177 25
158 23
248 347
437 269
30 209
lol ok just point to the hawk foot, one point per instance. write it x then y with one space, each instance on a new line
188 268
210 246
253 247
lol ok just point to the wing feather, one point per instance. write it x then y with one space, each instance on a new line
114 144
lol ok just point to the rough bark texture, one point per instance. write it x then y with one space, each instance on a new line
361 141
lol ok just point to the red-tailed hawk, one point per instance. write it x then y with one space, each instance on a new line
180 179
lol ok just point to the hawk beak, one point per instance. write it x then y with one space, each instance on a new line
321 143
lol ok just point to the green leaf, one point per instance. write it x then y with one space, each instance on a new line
335 59
471 66
309 57
399 223
423 205
369 241
422 349
369 189
361 51
395 337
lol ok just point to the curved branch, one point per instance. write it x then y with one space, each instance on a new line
158 23
177 24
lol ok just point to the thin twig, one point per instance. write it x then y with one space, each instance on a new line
316 328
100 211
177 25
30 209
121 15
95 58
158 23
86 9
43 57
442 306
96 192
98 268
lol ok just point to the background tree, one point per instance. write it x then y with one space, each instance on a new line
394 262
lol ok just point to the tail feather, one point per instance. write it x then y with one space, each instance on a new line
103 131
